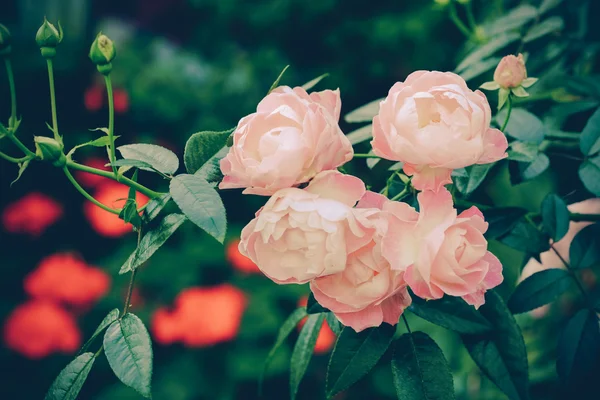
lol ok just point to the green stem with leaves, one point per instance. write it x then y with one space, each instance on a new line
123 179
132 280
13 94
13 159
53 100
111 121
459 24
584 294
86 194
470 15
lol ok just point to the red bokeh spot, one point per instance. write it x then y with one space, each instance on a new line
201 317
93 98
65 278
326 338
114 195
121 100
39 328
32 214
239 261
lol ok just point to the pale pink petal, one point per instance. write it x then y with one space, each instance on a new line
330 99
394 306
495 145
360 320
334 185
372 200
427 178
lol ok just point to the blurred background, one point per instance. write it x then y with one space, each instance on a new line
185 66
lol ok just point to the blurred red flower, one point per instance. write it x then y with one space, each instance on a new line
239 261
114 195
31 214
121 101
91 180
65 278
201 316
326 338
38 328
93 97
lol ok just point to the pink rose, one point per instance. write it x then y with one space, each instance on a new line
290 138
368 292
440 251
434 123
302 234
510 71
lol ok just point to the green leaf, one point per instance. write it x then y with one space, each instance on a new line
521 172
550 25
538 289
211 170
313 307
130 214
547 5
420 369
558 114
303 350
161 159
126 162
501 353
100 142
578 348
514 19
526 238
201 203
152 241
555 217
476 175
502 98
22 167
312 83
69 382
276 83
155 206
361 134
364 113
502 220
451 313
522 125
333 323
585 247
284 331
590 136
355 354
497 43
479 68
523 151
129 352
589 173
109 319
201 146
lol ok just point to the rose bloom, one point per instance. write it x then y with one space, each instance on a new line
114 195
201 317
92 180
66 278
239 261
510 71
549 258
434 123
367 292
32 214
39 328
302 234
325 339
441 252
290 138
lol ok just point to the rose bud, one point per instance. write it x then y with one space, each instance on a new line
102 52
48 149
48 37
510 71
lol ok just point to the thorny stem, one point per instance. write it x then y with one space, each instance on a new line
123 179
53 100
111 121
13 94
132 280
86 194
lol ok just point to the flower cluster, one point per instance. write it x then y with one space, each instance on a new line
359 251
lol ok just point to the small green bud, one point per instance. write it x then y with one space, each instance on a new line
103 50
442 2
48 37
48 149
5 40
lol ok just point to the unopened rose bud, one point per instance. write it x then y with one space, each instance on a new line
48 149
5 40
48 37
510 72
102 51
